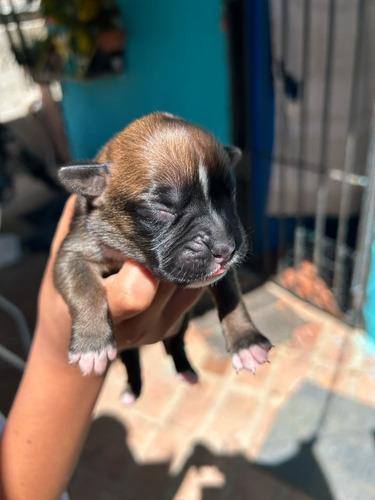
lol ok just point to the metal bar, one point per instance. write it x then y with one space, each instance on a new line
307 166
322 176
346 188
4 22
283 135
20 321
299 237
265 163
352 179
257 201
260 110
15 17
12 358
266 258
365 233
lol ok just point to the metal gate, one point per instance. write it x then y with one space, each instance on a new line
312 142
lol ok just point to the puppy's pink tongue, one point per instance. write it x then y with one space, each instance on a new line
221 270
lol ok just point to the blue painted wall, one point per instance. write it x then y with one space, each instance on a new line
176 61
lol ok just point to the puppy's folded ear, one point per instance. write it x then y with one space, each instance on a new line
234 153
87 179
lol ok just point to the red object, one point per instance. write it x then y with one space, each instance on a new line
111 40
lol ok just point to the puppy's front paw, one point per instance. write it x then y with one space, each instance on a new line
250 352
93 360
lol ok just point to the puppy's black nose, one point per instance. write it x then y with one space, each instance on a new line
222 252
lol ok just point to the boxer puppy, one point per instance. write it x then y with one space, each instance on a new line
161 193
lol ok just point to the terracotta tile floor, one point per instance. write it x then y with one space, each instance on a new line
211 441
202 442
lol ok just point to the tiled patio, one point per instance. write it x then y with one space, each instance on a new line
302 427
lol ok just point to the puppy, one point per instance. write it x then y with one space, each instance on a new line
161 193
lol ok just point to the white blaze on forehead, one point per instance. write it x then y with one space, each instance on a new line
203 179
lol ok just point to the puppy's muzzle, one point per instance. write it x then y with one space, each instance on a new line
223 252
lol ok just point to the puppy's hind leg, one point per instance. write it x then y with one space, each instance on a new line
132 362
175 346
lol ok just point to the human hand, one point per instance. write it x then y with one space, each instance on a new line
143 309
52 410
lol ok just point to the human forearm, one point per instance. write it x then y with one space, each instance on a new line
51 413
47 426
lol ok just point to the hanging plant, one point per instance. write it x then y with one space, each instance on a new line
85 39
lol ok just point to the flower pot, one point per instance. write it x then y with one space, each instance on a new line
111 40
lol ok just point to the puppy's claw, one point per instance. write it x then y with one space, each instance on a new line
236 362
93 361
251 358
73 357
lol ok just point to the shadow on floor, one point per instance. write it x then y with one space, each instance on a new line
107 469
304 471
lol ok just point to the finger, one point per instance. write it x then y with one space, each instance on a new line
130 291
180 302
158 322
134 289
162 298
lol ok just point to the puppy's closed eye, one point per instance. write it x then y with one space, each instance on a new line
165 212
156 212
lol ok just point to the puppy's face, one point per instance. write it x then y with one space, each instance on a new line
193 232
169 194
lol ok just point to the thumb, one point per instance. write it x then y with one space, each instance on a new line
130 291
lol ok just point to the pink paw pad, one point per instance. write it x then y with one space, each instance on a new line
93 361
251 358
189 377
127 398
